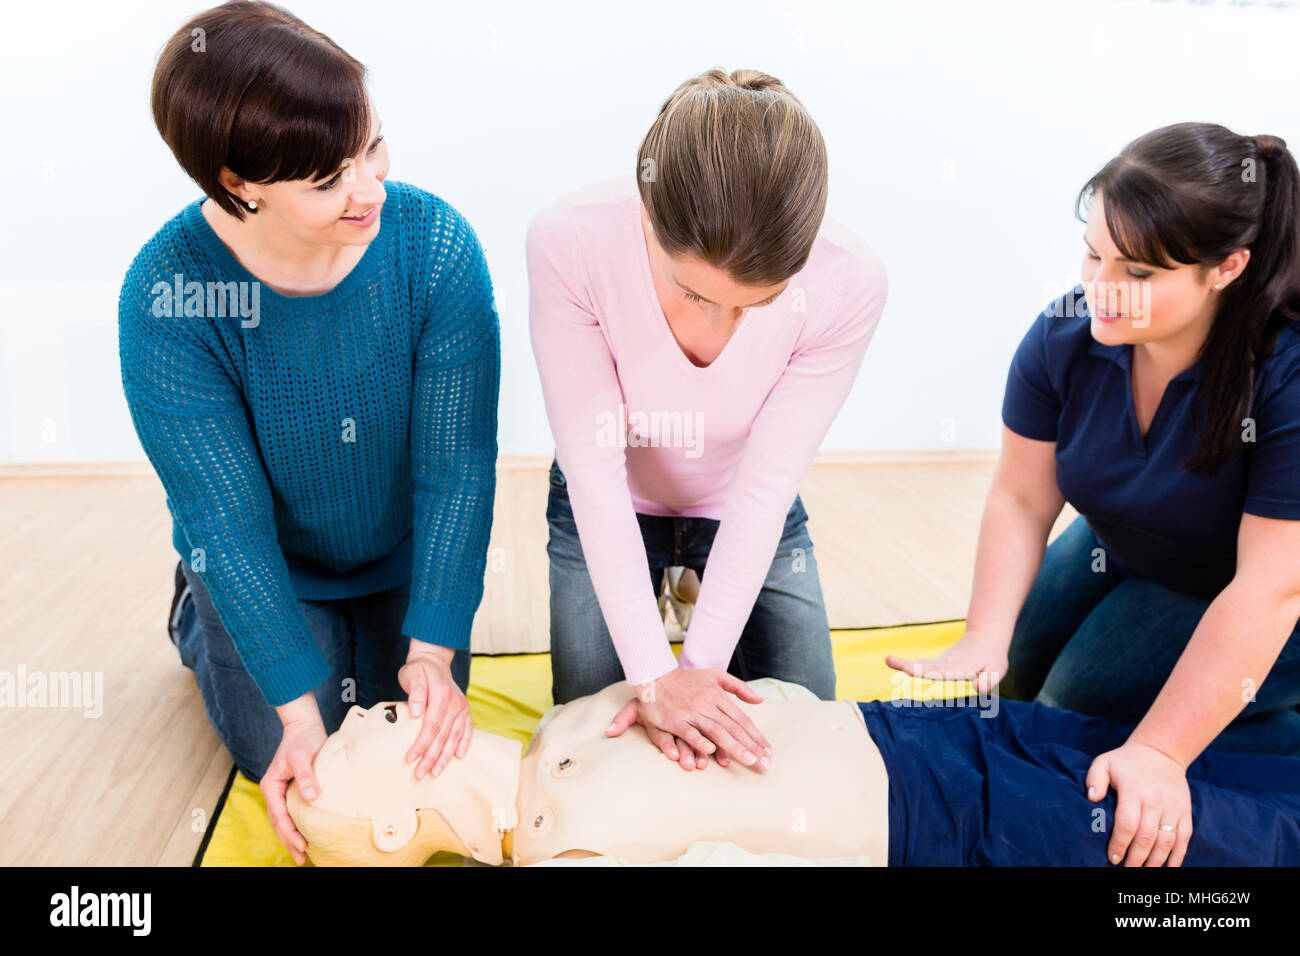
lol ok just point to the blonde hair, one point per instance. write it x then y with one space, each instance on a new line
733 172
336 840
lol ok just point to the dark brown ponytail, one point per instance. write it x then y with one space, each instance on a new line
1193 193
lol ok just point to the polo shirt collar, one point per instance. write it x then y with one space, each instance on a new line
1122 355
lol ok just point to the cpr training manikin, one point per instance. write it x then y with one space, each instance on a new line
580 793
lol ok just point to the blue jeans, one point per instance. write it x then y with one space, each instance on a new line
361 638
1101 643
786 636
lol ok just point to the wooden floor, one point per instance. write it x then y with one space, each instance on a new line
86 579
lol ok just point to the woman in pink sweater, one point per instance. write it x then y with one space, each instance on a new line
696 327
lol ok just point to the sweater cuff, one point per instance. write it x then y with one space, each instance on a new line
692 659
706 644
651 662
443 626
292 677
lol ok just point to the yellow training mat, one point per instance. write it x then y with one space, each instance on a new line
508 695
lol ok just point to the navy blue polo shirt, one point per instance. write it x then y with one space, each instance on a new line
1154 519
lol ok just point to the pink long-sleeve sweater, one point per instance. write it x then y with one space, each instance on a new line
639 428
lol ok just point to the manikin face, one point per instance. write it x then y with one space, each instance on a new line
362 772
368 738
1138 302
696 289
342 209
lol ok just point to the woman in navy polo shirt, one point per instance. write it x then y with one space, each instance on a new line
1161 398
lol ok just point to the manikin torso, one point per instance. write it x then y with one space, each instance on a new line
578 792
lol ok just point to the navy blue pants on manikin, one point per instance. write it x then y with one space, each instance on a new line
970 789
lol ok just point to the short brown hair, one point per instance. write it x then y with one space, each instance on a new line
733 172
251 87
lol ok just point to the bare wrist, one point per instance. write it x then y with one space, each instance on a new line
1140 739
301 711
423 650
991 638
645 689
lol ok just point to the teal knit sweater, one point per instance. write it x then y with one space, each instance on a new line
321 446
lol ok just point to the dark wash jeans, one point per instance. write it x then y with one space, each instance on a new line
1101 643
787 636
361 637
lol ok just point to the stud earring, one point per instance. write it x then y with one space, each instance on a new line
252 204
1218 286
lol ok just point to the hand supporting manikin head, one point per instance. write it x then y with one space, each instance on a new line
372 811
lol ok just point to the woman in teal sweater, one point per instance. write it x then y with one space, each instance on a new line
311 358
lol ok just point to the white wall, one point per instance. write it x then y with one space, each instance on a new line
959 134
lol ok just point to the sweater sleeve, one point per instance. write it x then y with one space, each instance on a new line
195 429
453 436
579 382
785 436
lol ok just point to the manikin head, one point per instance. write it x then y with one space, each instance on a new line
372 811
